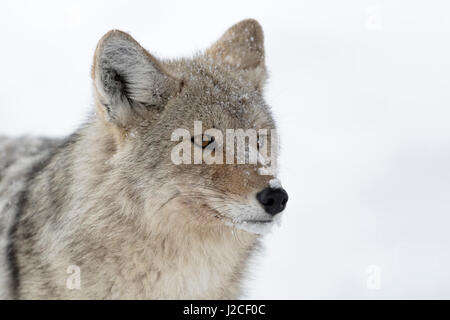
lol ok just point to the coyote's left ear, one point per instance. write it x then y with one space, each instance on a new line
242 48
129 82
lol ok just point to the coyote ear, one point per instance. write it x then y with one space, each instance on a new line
242 47
128 80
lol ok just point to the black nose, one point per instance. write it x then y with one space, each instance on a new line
273 200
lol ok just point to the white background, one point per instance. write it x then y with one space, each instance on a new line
360 90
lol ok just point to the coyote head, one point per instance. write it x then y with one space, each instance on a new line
142 100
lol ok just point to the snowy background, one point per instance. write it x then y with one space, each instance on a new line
360 90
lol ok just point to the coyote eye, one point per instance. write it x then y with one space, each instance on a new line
204 143
260 143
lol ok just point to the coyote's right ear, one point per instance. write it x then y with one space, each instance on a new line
128 80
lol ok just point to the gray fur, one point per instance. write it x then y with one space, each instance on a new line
19 158
109 200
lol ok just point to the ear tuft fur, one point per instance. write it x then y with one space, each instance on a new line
127 78
242 48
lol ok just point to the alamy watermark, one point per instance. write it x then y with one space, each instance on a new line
73 281
242 146
373 281
374 17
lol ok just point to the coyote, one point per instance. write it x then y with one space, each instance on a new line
106 214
